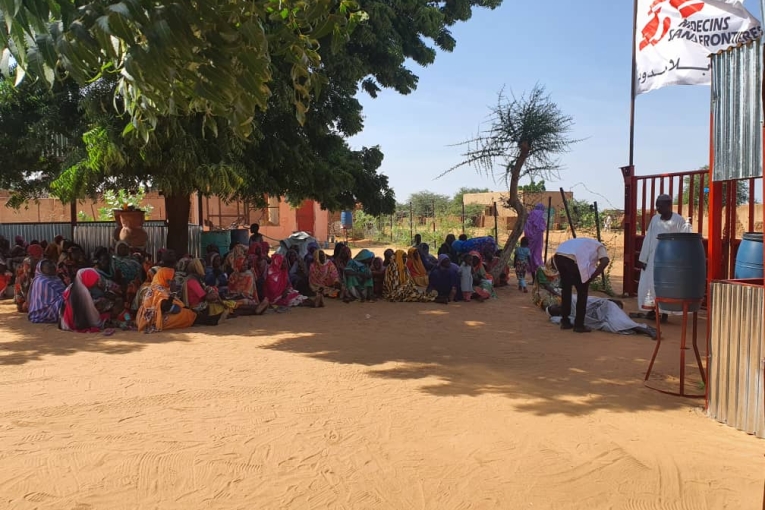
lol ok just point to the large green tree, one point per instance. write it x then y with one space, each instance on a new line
170 57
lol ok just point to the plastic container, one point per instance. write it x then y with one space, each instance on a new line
680 270
220 238
749 257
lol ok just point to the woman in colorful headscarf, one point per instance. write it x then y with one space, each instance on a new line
46 295
74 260
237 251
482 279
536 226
127 266
81 303
358 277
24 274
416 268
159 310
243 291
53 252
203 300
311 255
322 276
104 264
546 291
138 300
399 286
215 276
278 289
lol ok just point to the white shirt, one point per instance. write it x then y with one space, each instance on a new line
585 252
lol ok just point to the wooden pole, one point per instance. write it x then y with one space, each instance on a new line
568 213
496 227
411 223
463 214
547 228
597 221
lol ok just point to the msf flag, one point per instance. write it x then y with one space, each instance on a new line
674 38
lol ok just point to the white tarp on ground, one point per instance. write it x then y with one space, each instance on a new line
301 240
605 315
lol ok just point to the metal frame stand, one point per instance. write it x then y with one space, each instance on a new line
686 303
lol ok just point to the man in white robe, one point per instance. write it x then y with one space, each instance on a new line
664 222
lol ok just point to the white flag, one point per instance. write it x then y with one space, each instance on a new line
674 39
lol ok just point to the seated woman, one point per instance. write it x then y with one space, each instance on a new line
74 259
323 277
546 291
242 290
428 260
138 300
129 269
358 277
279 291
470 281
159 310
481 278
416 268
444 280
203 300
104 264
25 272
215 276
378 277
46 295
298 272
85 309
399 286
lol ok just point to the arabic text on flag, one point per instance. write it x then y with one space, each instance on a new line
674 39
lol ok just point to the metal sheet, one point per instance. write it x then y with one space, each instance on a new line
736 348
35 231
91 235
737 112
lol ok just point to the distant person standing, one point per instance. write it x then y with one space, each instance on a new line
255 235
536 226
578 261
664 222
417 241
607 223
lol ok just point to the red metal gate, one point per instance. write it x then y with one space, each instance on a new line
692 196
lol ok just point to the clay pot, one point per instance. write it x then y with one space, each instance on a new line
116 234
132 231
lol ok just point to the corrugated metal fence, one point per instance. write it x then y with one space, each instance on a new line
91 235
737 112
736 347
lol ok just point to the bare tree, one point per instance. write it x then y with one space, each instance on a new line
524 137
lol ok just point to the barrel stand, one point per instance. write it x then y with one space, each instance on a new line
686 303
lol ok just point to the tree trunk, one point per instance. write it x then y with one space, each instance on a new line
520 209
178 208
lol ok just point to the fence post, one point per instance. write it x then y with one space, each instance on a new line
411 223
463 214
496 227
630 229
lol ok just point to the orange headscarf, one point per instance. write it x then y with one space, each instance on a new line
163 277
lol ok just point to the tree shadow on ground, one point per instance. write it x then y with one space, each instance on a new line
22 342
504 347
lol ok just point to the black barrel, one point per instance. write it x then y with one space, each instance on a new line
680 270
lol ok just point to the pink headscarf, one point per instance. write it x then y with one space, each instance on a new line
277 278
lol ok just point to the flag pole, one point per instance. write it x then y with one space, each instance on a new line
633 88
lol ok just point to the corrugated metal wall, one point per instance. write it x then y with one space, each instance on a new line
91 235
737 112
35 231
736 348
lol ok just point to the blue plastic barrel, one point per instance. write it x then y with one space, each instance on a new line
240 236
346 219
680 270
220 238
749 257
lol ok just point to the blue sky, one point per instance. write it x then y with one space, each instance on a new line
581 52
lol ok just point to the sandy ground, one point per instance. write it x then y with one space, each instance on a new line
391 406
